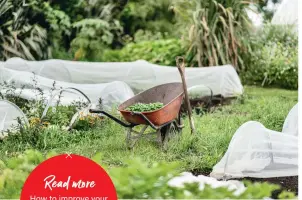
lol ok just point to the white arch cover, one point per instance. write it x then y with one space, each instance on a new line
287 13
291 122
9 113
112 93
256 151
139 75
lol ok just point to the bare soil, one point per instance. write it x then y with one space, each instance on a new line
289 183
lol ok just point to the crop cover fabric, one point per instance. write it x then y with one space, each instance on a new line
291 122
258 152
139 75
9 113
26 83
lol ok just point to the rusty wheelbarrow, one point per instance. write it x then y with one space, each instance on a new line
166 121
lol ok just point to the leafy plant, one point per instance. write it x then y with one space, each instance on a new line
18 37
147 181
86 122
14 172
154 16
30 28
93 35
78 10
274 64
152 182
72 8
58 114
274 58
161 52
9 92
273 33
59 24
145 35
142 107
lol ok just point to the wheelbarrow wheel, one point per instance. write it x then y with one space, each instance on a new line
170 131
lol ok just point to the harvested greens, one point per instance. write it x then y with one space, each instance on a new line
142 107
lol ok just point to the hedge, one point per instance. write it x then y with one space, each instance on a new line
162 52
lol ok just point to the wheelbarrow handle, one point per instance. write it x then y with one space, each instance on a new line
180 62
111 117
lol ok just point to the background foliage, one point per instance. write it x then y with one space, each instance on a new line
216 29
273 60
208 33
19 34
161 52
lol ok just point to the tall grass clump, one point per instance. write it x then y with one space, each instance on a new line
215 30
19 37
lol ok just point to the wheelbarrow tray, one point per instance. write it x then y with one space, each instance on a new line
170 94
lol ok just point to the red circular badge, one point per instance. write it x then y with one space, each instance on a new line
68 177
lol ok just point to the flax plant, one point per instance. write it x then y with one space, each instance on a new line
215 30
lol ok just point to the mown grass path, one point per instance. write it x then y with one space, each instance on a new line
195 152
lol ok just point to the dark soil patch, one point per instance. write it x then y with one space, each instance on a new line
289 183
206 104
197 172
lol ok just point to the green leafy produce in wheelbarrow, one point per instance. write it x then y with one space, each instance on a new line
142 107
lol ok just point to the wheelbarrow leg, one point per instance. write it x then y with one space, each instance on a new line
172 130
128 137
131 140
159 137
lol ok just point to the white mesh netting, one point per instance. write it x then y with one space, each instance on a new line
290 125
9 113
26 84
199 91
139 75
256 151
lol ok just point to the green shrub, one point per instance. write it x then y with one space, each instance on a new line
61 53
273 58
93 35
139 180
152 16
161 52
59 24
275 64
145 35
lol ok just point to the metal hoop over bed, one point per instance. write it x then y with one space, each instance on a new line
75 116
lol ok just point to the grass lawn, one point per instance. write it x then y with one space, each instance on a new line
195 152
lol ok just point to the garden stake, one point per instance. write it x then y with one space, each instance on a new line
180 62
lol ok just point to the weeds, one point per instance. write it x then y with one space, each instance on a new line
57 115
